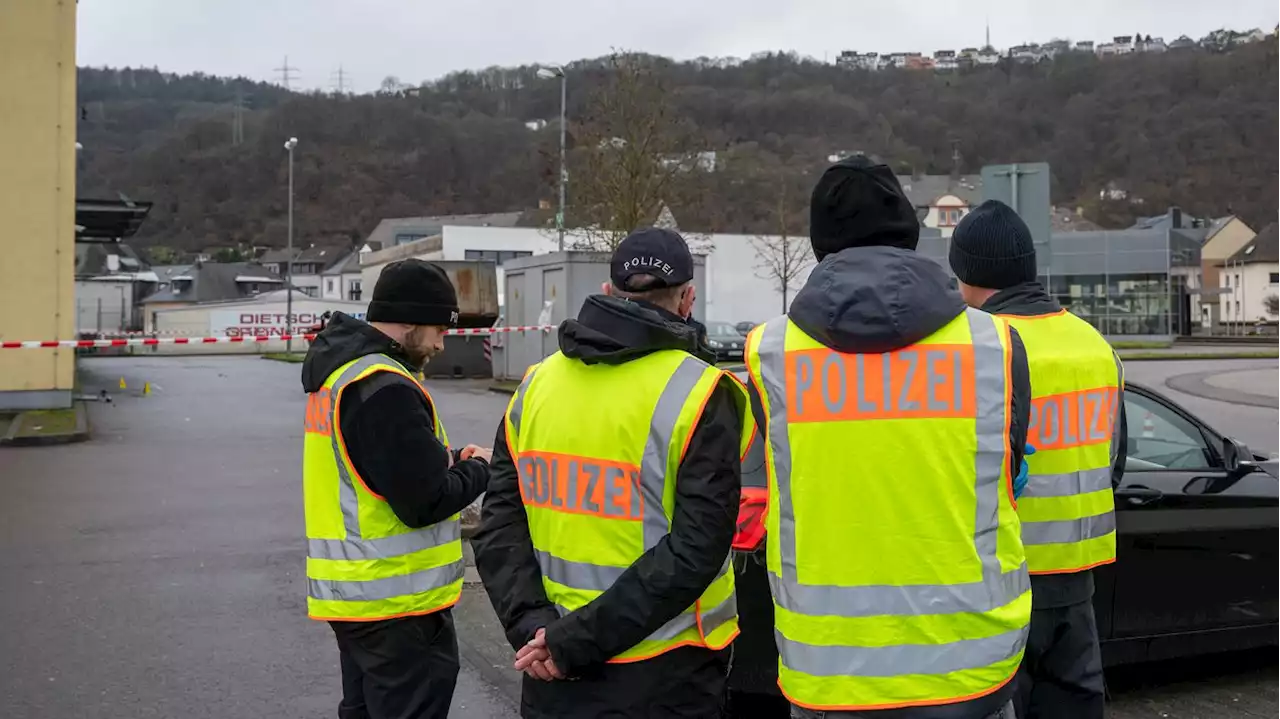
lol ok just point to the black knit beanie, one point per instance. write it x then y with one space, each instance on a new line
414 292
992 248
858 203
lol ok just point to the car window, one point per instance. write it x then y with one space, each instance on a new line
1160 438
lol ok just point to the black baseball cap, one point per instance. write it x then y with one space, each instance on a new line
652 251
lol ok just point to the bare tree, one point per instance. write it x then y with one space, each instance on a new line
785 255
1272 304
633 153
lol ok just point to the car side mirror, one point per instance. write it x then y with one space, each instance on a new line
1236 456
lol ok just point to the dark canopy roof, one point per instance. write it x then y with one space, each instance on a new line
108 220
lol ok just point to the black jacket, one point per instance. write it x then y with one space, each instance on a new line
663 582
1049 591
387 425
881 299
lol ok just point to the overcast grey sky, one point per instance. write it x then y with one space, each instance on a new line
417 40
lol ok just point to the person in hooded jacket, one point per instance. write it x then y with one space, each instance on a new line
895 420
994 258
382 491
606 527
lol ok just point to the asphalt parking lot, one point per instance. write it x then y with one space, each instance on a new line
155 571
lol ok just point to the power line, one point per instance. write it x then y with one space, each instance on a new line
286 73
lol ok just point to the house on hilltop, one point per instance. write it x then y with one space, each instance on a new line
941 200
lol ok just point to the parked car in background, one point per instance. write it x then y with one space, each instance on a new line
725 340
1197 536
745 327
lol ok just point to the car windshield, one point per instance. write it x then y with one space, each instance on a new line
722 329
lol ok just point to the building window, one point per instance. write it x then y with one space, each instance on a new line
1275 278
496 256
354 292
328 285
407 237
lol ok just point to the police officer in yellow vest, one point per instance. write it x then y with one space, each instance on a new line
1067 507
606 527
894 420
383 490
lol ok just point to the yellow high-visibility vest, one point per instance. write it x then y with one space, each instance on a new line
363 563
597 448
893 546
1068 509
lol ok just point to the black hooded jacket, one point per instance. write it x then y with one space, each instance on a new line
387 426
880 299
1051 591
662 583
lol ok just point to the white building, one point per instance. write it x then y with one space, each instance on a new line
737 288
343 280
1250 279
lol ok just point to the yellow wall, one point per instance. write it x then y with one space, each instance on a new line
37 197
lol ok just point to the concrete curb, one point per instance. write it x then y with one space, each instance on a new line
1139 356
79 434
1195 385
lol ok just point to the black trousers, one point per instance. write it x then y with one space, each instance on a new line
398 668
1061 673
684 683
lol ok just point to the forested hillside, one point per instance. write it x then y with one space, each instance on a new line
1186 128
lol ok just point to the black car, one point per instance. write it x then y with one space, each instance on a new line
725 340
1197 539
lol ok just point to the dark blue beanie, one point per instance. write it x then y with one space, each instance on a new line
992 248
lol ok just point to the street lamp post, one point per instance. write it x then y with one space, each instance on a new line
547 73
288 261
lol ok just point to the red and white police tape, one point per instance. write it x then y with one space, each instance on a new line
152 341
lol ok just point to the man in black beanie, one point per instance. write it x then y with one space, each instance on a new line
1066 506
848 387
382 491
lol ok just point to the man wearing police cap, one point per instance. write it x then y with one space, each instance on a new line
606 527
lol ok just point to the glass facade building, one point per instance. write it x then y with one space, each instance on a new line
1127 283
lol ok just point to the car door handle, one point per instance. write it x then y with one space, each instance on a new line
1139 495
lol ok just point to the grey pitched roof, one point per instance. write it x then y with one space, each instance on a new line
212 282
324 256
275 257
166 273
923 190
1262 248
349 262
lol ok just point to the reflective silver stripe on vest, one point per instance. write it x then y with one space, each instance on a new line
387 587
720 614
385 547
517 405
354 547
899 659
653 466
1068 484
1069 530
578 575
996 588
712 619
